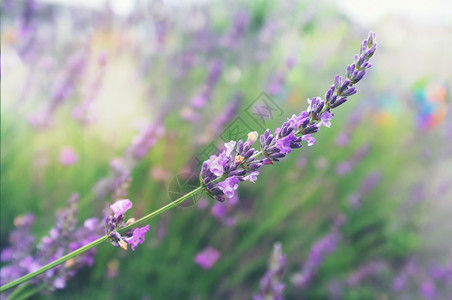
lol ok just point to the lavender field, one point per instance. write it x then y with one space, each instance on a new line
226 150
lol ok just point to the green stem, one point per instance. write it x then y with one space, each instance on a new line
27 294
160 210
18 291
95 243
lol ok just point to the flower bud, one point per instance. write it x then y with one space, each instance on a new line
252 137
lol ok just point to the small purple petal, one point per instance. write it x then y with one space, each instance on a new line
309 138
284 144
120 207
137 237
325 119
252 176
229 186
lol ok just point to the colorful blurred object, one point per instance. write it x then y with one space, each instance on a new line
430 102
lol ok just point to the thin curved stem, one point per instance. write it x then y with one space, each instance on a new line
160 210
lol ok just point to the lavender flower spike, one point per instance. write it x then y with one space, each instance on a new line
318 253
221 173
271 286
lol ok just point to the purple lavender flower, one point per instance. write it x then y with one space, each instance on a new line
21 245
335 290
271 285
227 162
343 138
319 251
427 289
369 183
284 144
409 269
442 274
63 89
207 258
346 166
84 112
120 207
240 159
240 24
64 237
113 223
147 138
220 121
222 210
365 271
68 156
276 85
297 121
137 237
229 186
325 119
190 113
308 138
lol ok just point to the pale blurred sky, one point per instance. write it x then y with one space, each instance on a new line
369 12
366 12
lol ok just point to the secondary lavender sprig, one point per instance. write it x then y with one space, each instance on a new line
271 285
366 271
221 173
191 113
63 237
63 89
116 222
369 183
318 253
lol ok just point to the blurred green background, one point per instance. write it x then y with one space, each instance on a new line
131 64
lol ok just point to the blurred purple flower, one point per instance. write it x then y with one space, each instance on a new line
239 26
64 87
408 270
365 271
200 100
84 111
427 289
343 138
207 258
68 156
147 138
271 285
220 121
222 210
369 183
63 238
346 166
317 254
